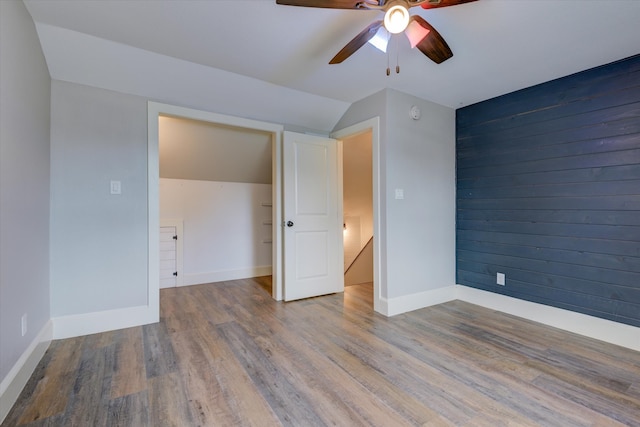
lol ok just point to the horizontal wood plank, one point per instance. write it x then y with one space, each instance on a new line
548 193
587 84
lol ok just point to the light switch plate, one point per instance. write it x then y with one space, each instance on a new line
23 324
399 193
500 279
116 187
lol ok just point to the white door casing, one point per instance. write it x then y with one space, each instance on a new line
379 240
312 216
156 109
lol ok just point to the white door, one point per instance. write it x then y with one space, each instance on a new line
168 257
312 214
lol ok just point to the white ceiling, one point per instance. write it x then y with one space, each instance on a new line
499 45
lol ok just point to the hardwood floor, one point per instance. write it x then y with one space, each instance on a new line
226 354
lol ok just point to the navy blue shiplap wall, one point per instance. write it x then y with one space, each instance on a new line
548 193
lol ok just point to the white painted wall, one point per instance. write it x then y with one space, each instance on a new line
361 271
420 159
417 237
227 230
193 149
350 239
98 240
24 194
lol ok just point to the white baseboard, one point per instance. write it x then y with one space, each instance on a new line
220 276
403 304
102 321
589 326
593 327
12 385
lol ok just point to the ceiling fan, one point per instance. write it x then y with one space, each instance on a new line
396 20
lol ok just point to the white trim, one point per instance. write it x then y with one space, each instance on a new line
582 324
102 321
277 287
383 307
589 326
178 224
156 109
220 276
424 299
380 304
340 207
12 385
153 212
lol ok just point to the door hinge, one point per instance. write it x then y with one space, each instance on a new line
175 273
175 237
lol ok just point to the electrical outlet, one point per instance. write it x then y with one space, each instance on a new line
500 279
24 324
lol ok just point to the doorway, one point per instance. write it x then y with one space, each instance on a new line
357 193
369 132
217 181
154 111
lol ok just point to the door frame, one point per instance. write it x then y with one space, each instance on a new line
372 125
156 109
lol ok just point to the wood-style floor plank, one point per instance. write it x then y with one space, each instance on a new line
227 354
129 373
159 356
53 390
336 396
287 402
206 399
89 401
346 384
239 394
168 401
404 371
131 410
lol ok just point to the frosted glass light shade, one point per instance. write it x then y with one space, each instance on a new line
396 19
380 40
416 33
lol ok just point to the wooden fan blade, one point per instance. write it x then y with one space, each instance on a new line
358 41
432 4
330 4
433 45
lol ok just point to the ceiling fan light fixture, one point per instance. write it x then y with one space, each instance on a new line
396 19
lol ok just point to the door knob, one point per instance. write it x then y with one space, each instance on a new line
289 223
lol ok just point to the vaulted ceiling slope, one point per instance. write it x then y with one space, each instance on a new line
265 51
